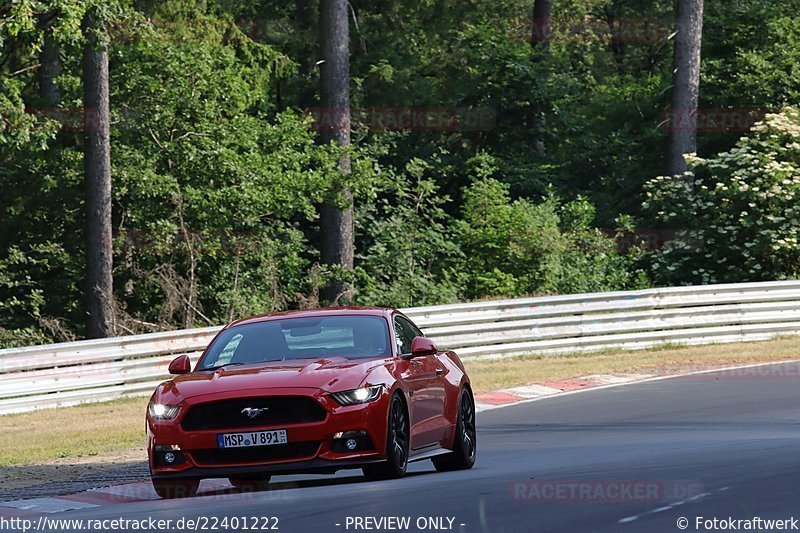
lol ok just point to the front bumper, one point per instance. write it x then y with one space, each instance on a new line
315 466
311 445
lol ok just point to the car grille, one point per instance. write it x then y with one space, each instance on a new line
228 414
261 454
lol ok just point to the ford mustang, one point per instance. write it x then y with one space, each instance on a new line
310 391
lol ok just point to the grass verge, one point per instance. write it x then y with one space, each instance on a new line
665 360
105 429
72 432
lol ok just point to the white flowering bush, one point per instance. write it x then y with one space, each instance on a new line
736 216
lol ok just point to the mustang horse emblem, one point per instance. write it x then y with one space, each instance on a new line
253 412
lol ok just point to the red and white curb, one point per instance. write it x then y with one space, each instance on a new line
115 494
501 398
492 400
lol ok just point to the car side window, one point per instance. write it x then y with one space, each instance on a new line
405 332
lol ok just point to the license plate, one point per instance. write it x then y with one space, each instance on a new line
252 438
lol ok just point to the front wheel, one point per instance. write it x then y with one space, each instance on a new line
397 439
176 488
465 444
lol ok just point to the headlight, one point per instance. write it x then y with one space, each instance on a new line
357 396
162 411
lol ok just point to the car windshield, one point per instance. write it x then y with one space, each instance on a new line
299 338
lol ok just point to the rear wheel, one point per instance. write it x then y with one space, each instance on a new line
253 484
465 442
176 488
397 438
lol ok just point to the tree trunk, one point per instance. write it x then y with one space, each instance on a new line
50 69
685 83
336 222
300 12
540 42
542 28
97 170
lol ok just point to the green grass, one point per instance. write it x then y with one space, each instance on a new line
665 359
70 432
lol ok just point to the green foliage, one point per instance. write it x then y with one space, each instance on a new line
514 248
211 185
754 54
23 301
738 219
218 175
407 248
508 245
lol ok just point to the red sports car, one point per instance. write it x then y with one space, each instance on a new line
310 391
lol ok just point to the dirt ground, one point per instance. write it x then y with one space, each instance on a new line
65 471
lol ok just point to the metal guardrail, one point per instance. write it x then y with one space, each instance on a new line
70 373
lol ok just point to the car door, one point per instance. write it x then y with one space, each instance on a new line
423 377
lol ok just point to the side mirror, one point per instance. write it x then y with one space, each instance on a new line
422 346
180 365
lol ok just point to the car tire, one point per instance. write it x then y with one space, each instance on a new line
397 442
176 488
250 484
465 444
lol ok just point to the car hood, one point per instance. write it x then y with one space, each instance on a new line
330 375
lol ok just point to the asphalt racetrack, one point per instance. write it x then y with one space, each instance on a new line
632 458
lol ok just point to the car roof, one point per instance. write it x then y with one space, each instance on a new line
327 311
